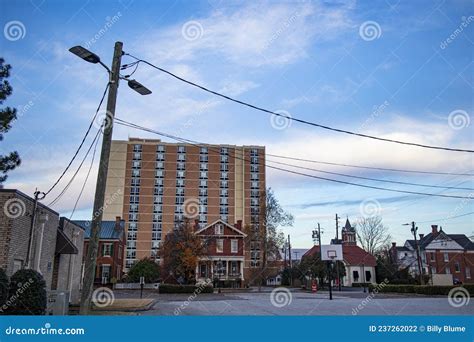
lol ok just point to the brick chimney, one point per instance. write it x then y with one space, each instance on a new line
394 245
118 219
238 225
422 236
434 229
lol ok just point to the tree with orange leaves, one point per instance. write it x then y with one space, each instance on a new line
181 251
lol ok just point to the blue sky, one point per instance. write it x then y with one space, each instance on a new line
396 69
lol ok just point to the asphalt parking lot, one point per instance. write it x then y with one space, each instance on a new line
297 302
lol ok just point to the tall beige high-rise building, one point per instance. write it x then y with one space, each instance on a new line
154 185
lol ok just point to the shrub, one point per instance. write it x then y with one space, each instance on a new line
172 288
147 268
361 284
420 289
27 294
3 287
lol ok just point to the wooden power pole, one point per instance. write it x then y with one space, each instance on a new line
90 263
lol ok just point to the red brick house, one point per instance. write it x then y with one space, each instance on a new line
110 258
440 253
224 264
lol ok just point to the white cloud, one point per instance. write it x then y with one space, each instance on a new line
253 35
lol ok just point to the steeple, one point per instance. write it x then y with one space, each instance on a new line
348 234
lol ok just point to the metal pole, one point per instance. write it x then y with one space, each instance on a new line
90 262
329 278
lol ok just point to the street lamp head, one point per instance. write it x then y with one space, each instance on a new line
138 87
85 54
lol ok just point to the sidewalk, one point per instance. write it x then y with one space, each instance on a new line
127 305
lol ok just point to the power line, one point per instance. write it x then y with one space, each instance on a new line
82 142
371 167
446 218
373 179
286 117
85 180
132 125
58 197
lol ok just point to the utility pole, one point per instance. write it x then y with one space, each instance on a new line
320 251
337 266
38 196
90 263
319 238
417 248
289 259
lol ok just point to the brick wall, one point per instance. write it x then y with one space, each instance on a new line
15 230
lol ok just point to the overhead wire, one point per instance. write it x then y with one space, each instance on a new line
289 117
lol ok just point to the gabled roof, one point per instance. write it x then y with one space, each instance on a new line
223 223
402 249
352 255
460 239
108 230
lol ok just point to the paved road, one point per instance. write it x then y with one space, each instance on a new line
303 303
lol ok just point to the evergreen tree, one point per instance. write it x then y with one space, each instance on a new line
7 115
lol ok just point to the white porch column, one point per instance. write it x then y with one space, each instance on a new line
241 270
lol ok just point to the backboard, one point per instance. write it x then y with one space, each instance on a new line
331 252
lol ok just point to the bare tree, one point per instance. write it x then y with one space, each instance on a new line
372 234
268 235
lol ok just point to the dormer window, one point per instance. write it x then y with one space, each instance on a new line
219 229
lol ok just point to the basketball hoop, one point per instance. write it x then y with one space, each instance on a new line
332 255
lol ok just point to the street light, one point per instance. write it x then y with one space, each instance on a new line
87 55
138 87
